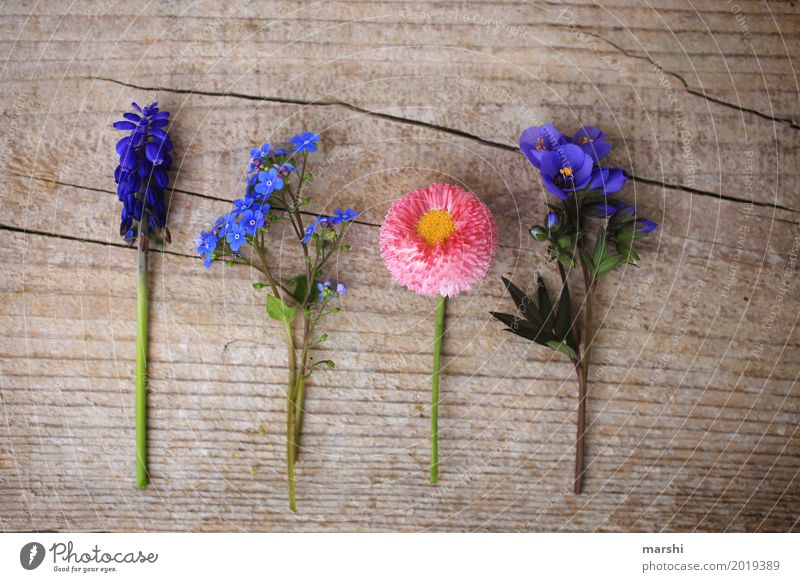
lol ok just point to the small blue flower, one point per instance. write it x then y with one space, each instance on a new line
243 204
251 221
306 141
327 291
610 180
284 169
565 169
343 216
537 141
206 245
235 236
593 142
268 182
256 156
261 152
312 228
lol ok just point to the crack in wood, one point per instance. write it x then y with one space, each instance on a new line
696 92
424 124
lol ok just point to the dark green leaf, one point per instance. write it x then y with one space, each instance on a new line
299 288
329 363
524 328
525 304
545 305
563 321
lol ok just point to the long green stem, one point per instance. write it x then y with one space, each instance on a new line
142 316
437 356
290 407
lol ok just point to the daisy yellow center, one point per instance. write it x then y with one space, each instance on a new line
436 226
566 172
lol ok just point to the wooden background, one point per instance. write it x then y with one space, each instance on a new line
694 407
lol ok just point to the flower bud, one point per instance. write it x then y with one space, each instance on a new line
553 221
538 233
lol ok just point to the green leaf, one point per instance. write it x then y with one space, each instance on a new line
624 249
525 304
344 248
329 363
278 310
600 247
566 259
563 348
608 263
259 285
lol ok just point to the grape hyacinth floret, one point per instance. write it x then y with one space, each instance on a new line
590 228
274 197
141 174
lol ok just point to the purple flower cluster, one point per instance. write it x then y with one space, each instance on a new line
141 174
572 167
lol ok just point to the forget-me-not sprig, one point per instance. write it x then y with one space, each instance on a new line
141 174
273 196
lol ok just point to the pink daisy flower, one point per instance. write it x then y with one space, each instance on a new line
438 240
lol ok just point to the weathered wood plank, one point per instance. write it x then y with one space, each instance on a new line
694 408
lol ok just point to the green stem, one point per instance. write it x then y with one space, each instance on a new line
298 412
437 356
290 407
142 316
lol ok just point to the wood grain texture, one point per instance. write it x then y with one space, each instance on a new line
694 405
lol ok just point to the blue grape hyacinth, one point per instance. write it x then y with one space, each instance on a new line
141 174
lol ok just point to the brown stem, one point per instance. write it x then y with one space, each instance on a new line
581 428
